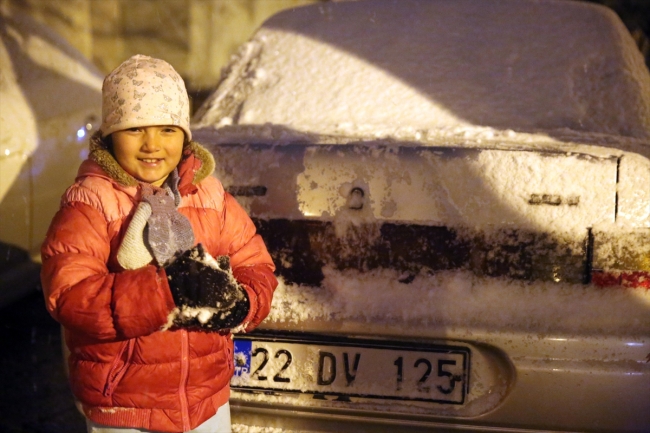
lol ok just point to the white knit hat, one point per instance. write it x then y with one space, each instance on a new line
144 91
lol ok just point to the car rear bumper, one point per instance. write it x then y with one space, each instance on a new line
545 383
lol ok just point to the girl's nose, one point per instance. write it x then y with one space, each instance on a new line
150 143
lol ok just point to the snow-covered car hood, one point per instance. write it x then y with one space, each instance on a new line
550 78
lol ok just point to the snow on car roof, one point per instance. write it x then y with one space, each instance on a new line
436 72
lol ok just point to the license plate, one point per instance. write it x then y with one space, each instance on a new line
366 369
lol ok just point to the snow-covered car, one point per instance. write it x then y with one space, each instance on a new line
50 100
457 198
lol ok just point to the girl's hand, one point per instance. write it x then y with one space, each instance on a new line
199 282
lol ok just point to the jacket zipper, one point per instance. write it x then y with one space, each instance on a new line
182 389
229 357
118 367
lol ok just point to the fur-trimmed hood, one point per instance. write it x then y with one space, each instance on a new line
107 162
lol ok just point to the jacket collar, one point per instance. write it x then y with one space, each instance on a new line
196 165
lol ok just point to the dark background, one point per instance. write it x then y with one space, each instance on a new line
636 16
34 393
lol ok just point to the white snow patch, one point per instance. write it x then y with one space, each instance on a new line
634 191
340 70
461 300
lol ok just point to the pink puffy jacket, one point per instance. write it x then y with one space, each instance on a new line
123 369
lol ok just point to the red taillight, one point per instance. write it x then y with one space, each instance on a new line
621 278
621 258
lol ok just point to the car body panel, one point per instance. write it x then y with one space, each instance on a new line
51 101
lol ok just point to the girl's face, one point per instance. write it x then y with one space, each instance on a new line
149 153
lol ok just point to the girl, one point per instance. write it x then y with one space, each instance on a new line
128 269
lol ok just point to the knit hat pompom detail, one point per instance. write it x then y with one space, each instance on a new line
144 91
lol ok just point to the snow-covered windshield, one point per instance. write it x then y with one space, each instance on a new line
464 71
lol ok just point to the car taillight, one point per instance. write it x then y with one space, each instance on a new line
621 278
621 259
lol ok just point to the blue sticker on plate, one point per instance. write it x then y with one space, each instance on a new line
242 355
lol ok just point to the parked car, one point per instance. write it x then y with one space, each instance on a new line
51 101
457 199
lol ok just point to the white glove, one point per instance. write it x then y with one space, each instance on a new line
133 252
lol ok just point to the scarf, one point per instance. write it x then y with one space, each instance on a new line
157 230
